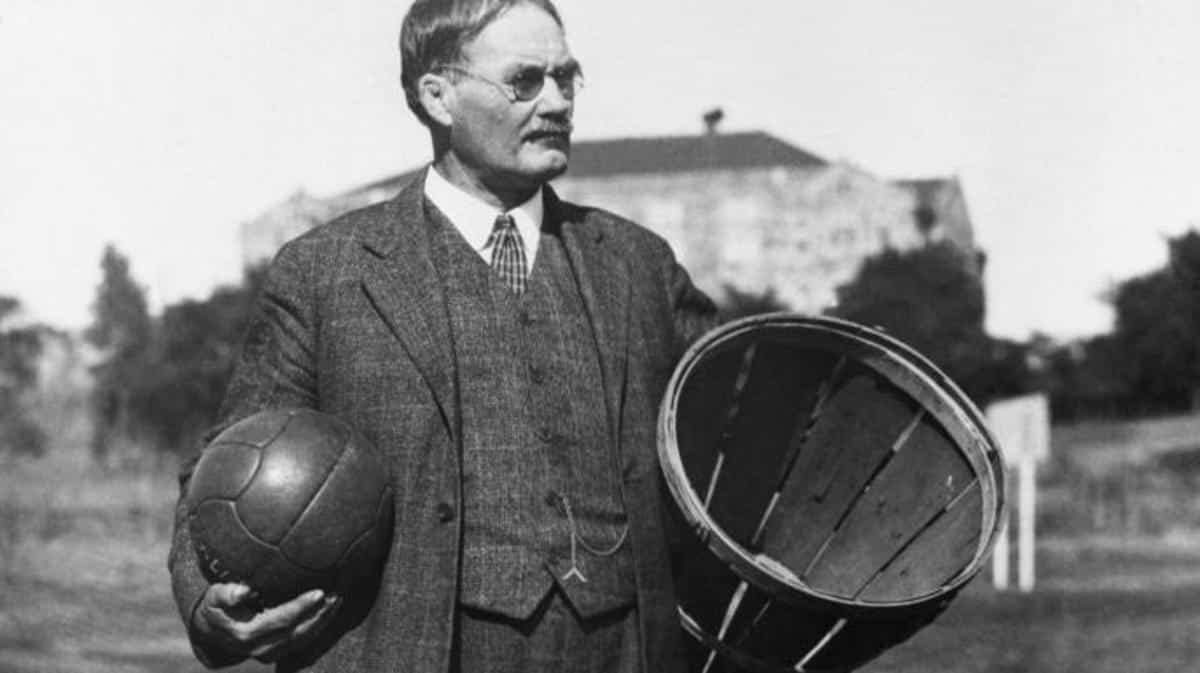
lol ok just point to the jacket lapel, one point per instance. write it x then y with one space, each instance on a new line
403 286
603 280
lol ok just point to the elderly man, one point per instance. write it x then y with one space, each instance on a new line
505 352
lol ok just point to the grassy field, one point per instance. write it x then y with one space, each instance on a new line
83 579
1142 615
84 587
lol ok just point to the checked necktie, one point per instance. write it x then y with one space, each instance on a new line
508 253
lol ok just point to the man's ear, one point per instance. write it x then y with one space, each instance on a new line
434 92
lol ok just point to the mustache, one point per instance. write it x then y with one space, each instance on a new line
563 129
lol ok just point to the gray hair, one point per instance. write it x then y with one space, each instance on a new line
435 31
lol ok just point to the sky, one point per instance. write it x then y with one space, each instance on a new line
1073 126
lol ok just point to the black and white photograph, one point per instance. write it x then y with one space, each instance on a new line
557 336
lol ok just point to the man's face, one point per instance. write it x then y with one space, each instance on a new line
504 144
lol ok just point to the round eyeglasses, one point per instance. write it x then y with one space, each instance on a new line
527 83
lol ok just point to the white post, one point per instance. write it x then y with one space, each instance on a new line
1027 473
1022 426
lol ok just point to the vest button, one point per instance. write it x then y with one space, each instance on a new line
537 374
525 318
544 434
445 512
553 499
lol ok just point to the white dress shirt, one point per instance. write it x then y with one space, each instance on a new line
474 219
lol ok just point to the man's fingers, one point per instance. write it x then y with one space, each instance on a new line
222 607
230 610
280 643
271 648
286 616
314 624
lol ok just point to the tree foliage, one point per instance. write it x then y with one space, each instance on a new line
161 380
121 320
1148 364
931 299
1157 331
20 347
1080 377
121 330
195 345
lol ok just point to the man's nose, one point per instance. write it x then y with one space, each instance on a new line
553 100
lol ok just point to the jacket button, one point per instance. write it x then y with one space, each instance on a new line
445 512
552 499
537 374
544 434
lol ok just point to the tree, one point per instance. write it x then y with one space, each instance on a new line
122 330
1157 331
1080 377
189 365
931 299
20 347
161 381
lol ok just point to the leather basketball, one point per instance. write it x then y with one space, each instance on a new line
290 500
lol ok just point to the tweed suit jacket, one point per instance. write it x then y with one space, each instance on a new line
353 321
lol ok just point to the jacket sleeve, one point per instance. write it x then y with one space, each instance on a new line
276 369
692 312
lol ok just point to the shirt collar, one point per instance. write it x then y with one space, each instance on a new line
474 218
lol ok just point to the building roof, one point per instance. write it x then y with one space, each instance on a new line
683 154
665 154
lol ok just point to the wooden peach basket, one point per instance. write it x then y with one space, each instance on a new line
841 489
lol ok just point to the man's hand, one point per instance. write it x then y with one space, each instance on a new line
228 615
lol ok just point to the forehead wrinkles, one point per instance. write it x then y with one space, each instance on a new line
523 34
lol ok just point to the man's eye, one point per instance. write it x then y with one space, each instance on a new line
527 77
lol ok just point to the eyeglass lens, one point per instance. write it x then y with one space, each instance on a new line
528 83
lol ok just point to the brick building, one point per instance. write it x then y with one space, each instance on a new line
743 210
262 236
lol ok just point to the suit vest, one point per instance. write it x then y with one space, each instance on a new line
542 501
